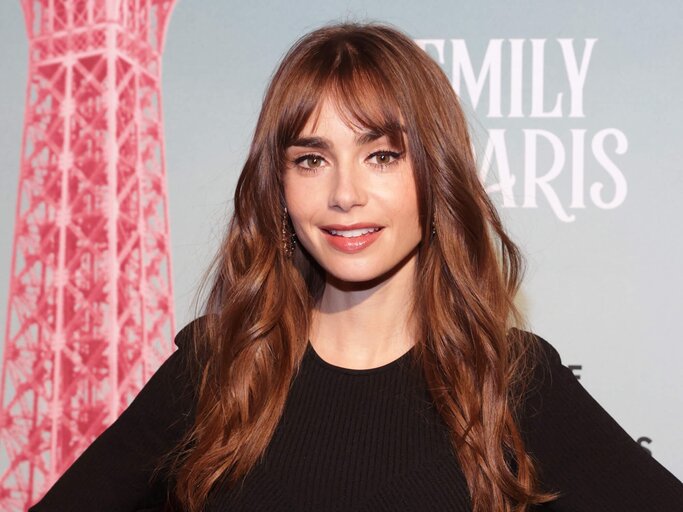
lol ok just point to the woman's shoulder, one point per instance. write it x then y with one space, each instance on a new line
544 375
580 449
191 333
541 356
192 353
191 339
553 397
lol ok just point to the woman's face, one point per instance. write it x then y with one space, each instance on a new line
352 199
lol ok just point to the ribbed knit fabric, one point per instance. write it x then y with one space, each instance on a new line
354 440
369 440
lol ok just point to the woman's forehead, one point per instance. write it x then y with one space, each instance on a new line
371 123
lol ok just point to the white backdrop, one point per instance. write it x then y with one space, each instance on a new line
576 110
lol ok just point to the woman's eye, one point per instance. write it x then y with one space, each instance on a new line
383 158
309 161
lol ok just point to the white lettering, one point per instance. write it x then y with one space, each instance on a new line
620 185
576 76
496 147
490 68
538 82
578 157
531 179
516 76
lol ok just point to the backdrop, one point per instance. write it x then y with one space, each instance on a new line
576 111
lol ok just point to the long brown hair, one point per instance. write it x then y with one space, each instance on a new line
259 301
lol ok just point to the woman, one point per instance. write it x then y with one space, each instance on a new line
358 349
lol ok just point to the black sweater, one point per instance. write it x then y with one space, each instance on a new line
368 440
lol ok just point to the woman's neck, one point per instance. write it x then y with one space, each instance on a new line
365 325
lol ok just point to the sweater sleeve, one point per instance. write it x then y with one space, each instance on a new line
583 453
114 474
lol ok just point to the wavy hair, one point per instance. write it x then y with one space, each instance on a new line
259 301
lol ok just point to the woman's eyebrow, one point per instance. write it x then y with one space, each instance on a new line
311 142
367 137
321 143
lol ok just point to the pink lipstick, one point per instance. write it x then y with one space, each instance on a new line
351 238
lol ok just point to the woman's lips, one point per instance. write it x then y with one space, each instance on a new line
351 244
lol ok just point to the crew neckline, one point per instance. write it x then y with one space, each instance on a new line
358 371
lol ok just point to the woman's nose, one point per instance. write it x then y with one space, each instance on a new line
347 187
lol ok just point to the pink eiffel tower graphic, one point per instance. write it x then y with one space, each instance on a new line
90 311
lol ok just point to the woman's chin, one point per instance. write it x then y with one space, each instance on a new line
363 278
357 278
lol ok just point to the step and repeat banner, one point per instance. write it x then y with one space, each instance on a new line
576 115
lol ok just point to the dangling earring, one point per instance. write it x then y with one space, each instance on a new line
288 238
433 227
